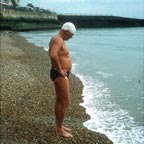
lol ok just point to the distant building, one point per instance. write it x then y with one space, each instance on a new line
30 6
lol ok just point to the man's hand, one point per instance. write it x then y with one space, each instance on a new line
63 73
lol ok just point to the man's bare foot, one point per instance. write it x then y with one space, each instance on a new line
66 128
63 133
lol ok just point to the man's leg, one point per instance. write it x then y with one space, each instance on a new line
61 105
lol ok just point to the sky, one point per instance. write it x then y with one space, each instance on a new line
124 8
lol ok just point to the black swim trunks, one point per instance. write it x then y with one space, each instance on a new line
55 74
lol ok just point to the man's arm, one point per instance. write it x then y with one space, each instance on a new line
55 47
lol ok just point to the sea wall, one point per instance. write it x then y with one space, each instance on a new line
101 21
19 19
27 14
22 19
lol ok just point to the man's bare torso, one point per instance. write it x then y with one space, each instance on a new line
58 46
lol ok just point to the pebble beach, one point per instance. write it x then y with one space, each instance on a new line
27 98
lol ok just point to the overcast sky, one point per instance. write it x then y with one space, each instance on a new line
126 8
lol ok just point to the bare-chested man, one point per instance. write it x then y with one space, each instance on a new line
61 66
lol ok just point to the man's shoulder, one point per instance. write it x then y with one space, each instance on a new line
57 39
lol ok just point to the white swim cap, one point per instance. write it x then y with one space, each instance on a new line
69 27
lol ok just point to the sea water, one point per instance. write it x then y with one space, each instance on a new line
110 64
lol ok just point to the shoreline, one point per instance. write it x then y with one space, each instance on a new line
27 97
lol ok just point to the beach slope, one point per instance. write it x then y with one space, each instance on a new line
28 97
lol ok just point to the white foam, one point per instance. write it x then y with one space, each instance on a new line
107 117
105 75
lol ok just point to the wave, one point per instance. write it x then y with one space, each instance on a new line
105 75
105 116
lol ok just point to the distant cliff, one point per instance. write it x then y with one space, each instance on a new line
21 19
101 21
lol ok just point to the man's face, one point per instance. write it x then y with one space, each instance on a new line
69 35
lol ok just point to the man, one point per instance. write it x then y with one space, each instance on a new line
61 66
